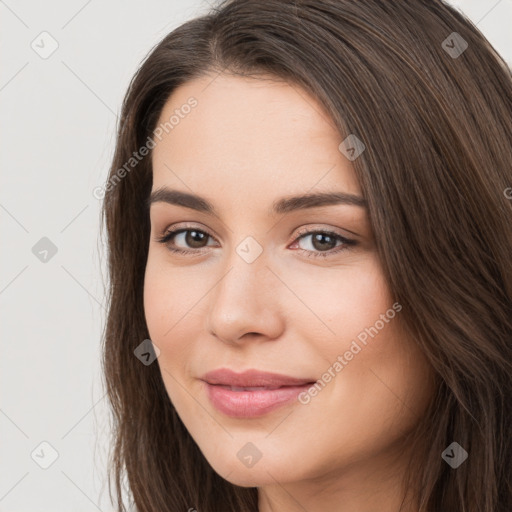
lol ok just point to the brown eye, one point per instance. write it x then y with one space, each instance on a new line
323 243
195 239
181 240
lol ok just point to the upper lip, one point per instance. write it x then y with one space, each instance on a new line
252 378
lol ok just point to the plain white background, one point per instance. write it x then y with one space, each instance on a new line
57 138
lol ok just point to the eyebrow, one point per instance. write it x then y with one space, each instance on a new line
279 207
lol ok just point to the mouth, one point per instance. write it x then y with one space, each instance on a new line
252 393
255 388
253 379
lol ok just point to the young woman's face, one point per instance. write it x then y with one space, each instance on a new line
297 291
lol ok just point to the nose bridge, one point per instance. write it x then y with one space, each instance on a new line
244 299
243 284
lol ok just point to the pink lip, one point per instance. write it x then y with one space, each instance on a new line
281 389
250 378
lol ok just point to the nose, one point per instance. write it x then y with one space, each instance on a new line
245 304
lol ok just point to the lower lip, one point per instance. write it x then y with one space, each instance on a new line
250 404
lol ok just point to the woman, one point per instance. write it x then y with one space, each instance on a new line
309 238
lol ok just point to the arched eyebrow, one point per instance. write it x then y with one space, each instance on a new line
279 207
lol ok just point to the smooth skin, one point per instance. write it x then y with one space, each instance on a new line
248 143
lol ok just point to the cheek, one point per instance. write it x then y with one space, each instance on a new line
342 301
380 369
171 308
166 294
156 300
163 300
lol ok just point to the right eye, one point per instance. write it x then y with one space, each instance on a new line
192 237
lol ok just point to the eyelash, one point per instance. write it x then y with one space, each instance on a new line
165 239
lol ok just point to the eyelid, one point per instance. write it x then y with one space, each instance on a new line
319 227
187 226
298 231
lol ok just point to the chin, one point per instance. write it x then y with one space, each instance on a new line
257 476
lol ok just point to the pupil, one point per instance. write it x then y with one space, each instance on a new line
194 238
318 238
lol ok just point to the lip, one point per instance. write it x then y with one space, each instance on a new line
252 378
278 390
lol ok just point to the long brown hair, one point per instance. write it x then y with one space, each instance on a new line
431 100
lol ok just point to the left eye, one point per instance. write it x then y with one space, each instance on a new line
320 240
323 243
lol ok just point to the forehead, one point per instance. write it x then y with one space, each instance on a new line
247 135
